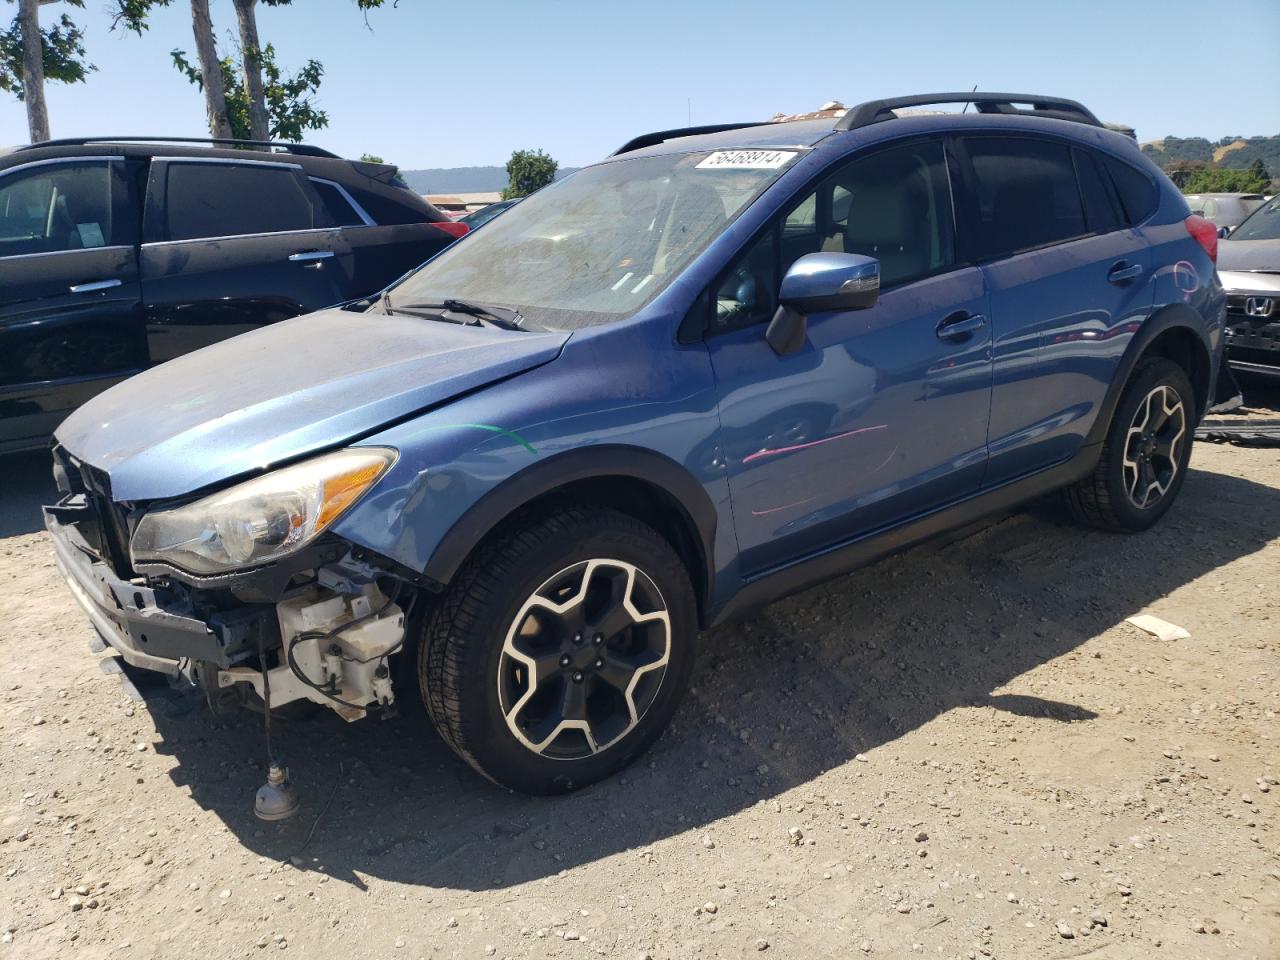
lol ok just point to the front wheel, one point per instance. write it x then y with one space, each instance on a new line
1145 455
561 650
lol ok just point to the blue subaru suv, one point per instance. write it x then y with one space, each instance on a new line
723 365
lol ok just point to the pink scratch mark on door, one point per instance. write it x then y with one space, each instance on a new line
778 451
785 506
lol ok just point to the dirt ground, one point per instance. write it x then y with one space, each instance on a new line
963 751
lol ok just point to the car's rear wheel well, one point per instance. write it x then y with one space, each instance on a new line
637 498
1187 350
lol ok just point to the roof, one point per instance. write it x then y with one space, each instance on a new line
809 133
808 129
314 160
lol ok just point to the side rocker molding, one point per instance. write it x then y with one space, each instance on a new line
559 471
786 580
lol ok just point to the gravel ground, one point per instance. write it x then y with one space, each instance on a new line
963 751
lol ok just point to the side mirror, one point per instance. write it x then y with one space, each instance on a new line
817 282
1223 232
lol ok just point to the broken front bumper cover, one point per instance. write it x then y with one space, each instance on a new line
330 638
150 627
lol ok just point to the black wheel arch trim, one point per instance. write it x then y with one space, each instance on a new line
1166 318
563 469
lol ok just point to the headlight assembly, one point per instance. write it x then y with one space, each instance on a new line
262 519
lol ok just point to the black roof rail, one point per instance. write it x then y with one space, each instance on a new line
661 136
1059 108
299 149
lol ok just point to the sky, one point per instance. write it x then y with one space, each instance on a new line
433 83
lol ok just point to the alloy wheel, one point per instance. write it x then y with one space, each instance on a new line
1153 446
583 659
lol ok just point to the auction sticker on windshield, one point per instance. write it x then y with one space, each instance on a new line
746 160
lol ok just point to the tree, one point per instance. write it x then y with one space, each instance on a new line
133 15
29 56
251 68
528 171
213 85
253 62
289 101
1206 179
371 158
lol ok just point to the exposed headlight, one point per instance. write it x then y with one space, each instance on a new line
262 519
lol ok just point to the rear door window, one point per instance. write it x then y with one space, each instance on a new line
1025 195
234 199
56 207
1101 209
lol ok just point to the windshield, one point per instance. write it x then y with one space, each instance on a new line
600 244
1263 225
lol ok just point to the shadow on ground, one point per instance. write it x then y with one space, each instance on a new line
780 698
26 484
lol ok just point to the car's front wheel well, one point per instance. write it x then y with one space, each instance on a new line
1187 350
640 499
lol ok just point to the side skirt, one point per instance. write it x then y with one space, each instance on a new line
783 581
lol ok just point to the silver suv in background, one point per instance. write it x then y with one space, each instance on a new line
1225 210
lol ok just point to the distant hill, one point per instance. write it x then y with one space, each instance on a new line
462 179
1234 153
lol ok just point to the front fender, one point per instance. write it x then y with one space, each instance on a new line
625 403
555 472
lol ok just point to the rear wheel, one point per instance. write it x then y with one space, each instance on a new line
1145 455
561 650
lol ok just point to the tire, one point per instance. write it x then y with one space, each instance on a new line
1144 457
516 676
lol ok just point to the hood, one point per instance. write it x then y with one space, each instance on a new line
1249 255
282 391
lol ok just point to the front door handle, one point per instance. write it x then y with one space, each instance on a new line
311 256
1123 272
959 326
95 286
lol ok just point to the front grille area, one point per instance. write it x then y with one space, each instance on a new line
106 527
1253 334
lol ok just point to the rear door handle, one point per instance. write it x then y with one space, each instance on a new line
960 325
311 256
1124 271
94 286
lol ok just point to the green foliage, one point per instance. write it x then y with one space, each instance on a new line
528 171
291 109
132 14
1206 179
371 158
64 54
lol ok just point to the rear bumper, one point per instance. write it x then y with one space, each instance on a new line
151 627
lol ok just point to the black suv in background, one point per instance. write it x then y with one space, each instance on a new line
118 254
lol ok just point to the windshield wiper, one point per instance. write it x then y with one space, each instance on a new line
503 317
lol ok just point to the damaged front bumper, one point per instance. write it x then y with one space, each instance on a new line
327 638
151 627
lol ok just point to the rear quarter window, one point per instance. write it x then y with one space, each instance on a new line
338 207
1136 189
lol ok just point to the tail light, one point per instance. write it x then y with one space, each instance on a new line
1205 234
455 229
